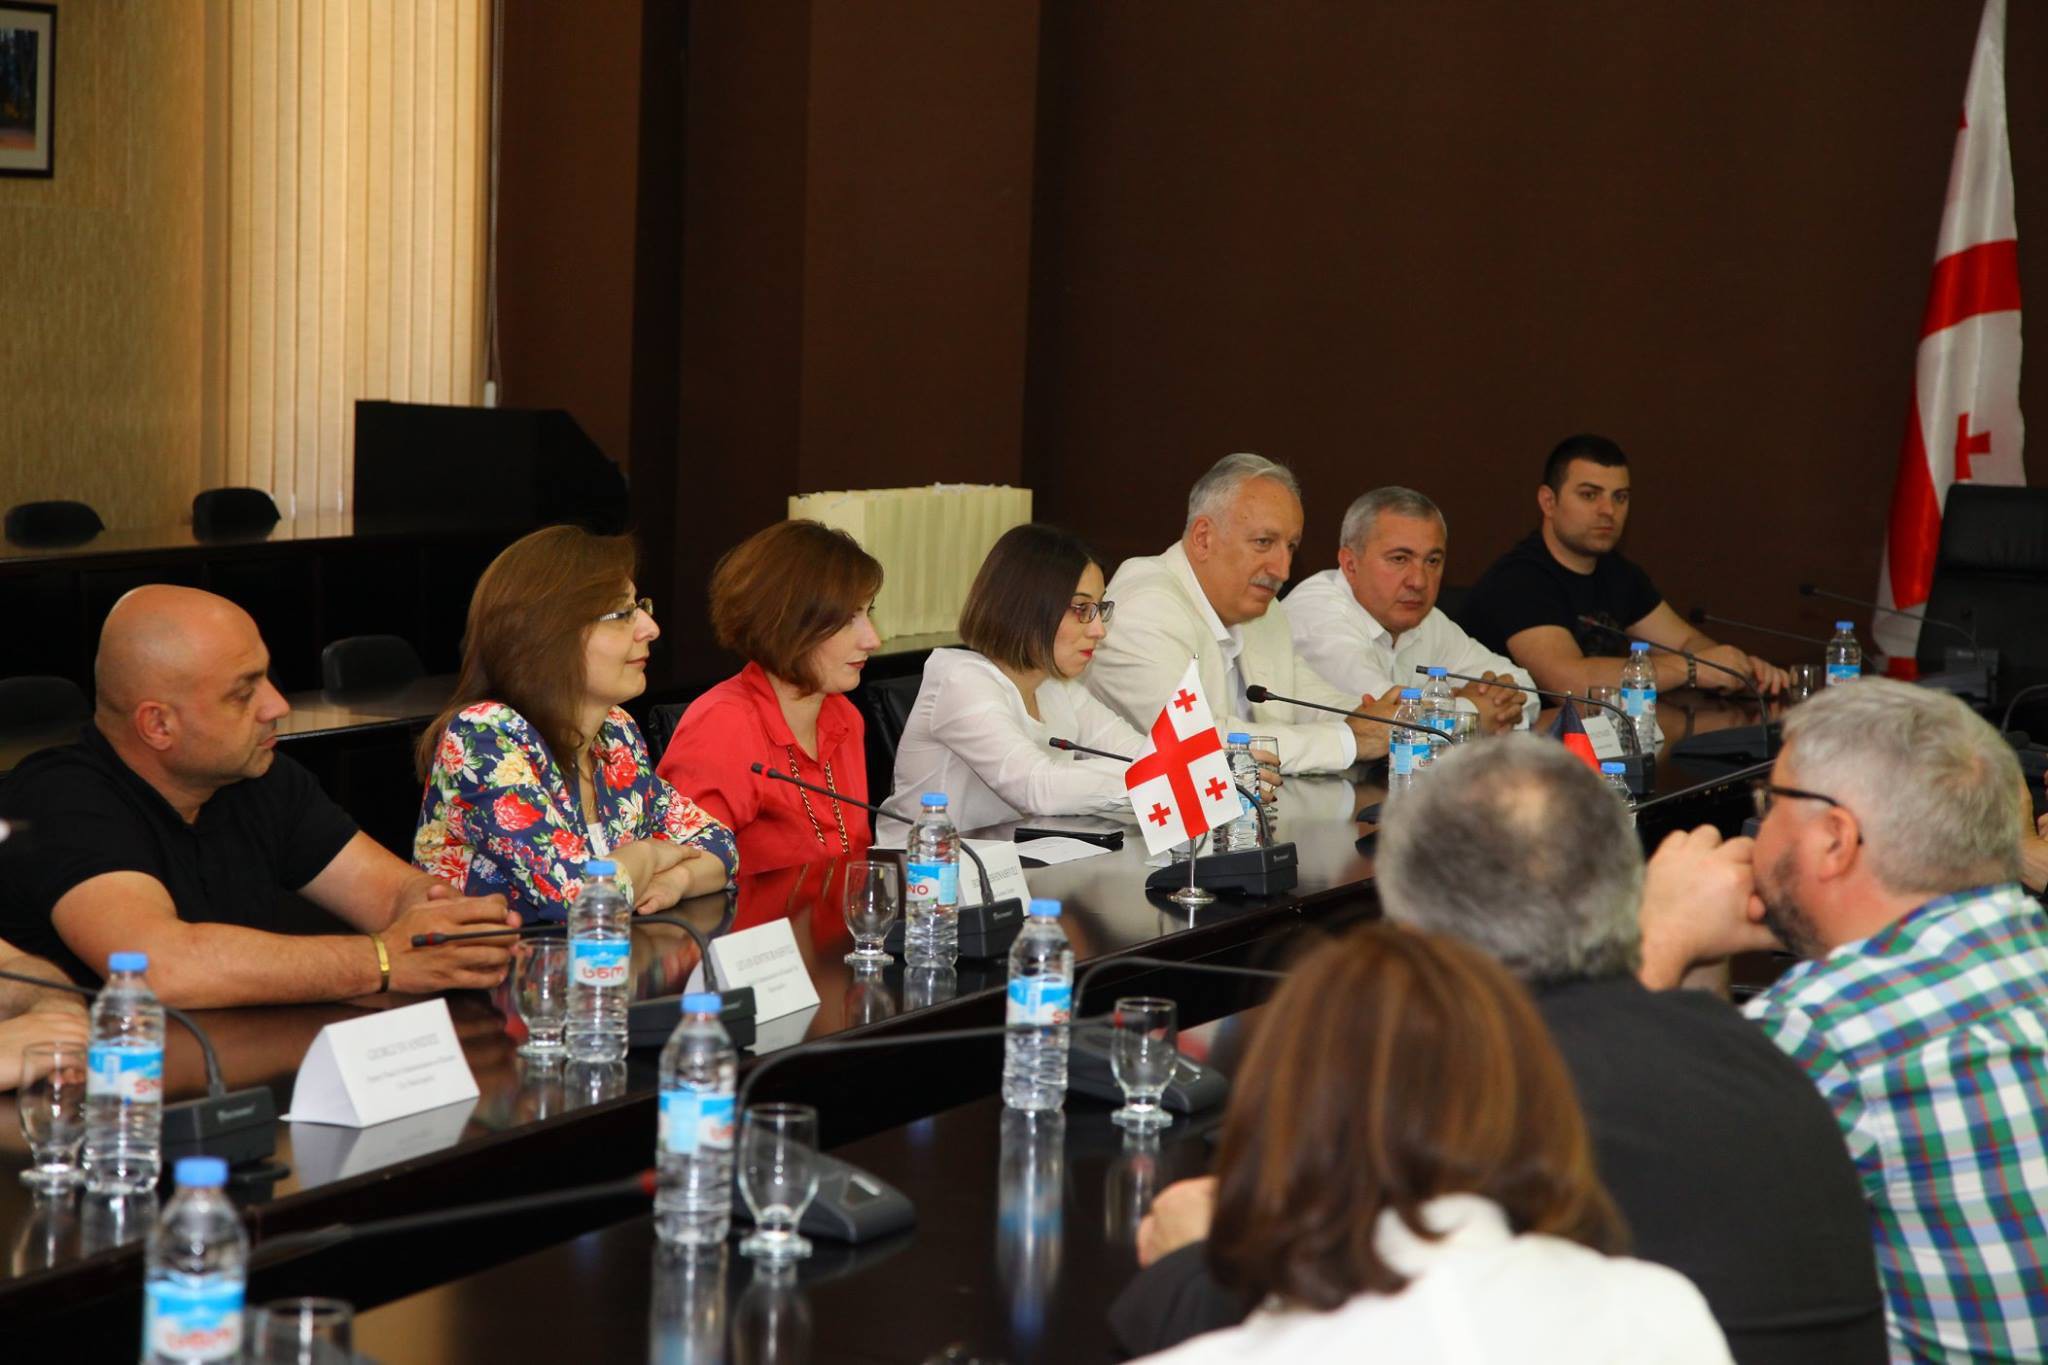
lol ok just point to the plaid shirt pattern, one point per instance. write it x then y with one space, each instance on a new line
1930 1041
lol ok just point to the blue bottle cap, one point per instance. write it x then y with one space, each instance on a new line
1410 693
702 1002
1845 625
936 800
1238 737
200 1172
1045 909
1639 647
128 962
1612 767
601 867
1438 672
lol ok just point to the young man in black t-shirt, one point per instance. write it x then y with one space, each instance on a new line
1529 604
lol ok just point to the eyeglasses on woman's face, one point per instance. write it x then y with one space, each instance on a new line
1085 612
645 604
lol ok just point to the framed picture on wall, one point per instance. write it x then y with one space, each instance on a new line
28 72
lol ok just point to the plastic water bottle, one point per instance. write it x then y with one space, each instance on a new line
196 1271
931 898
1615 775
124 1087
1243 832
693 1200
1439 706
1408 750
1639 694
1845 656
1040 1004
600 966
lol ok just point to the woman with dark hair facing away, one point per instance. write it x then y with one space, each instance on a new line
1405 1175
794 601
984 713
535 767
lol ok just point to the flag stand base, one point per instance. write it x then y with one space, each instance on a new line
1268 871
1191 896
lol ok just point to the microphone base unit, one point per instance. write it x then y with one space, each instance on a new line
1965 673
852 1205
1192 1090
986 931
1739 746
650 1022
1266 871
240 1127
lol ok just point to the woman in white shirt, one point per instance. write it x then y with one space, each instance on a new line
1405 1176
984 713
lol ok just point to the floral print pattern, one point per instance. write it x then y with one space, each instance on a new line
498 815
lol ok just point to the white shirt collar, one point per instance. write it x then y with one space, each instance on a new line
1463 1222
1229 638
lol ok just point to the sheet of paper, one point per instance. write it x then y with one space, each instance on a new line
382 1067
1005 873
1059 849
766 958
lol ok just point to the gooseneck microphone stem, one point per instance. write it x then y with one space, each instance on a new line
2014 704
1810 590
1626 731
1753 771
1763 711
216 1084
1260 695
988 893
835 1045
1700 616
1068 744
1094 969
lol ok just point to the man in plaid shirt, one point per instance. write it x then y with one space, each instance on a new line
1888 859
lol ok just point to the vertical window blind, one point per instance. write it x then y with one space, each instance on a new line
349 200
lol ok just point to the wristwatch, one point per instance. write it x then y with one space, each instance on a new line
1692 672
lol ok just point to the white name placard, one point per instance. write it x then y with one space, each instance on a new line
766 958
1005 873
381 1067
1606 740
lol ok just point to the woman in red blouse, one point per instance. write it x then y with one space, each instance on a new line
794 601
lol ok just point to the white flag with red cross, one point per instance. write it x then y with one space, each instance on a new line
1965 423
1179 784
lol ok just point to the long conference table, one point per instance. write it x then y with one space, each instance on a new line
1023 1230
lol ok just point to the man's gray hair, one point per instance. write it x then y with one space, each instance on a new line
1935 788
1513 845
1211 495
1361 515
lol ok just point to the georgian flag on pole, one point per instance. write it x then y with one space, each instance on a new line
1965 420
1180 784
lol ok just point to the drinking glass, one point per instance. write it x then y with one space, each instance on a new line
303 1332
1267 744
778 1178
53 1113
1143 1051
1807 679
874 892
543 990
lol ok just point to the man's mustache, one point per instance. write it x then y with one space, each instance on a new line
1268 582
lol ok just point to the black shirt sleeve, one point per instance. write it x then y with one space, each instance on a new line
79 825
1515 595
308 831
1628 590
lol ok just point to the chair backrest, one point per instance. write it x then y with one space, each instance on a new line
37 701
1991 577
885 705
369 663
232 511
52 523
661 727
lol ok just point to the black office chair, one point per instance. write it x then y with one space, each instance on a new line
1991 577
232 512
661 727
885 704
52 523
38 701
369 663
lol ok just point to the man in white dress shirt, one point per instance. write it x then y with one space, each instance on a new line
1366 624
1213 597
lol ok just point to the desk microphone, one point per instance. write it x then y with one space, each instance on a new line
1260 695
1763 711
1263 871
1700 616
986 930
239 1125
1625 731
1809 590
272 1249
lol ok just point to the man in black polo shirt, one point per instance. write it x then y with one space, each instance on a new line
173 827
1718 1151
1528 605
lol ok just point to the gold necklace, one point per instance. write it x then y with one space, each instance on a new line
838 809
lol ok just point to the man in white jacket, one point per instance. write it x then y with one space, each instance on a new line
1213 598
1368 623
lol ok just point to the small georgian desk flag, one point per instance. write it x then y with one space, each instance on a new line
1180 784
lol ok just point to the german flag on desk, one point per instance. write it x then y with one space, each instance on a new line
1569 728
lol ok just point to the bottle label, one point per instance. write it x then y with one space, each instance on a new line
1841 673
694 1120
602 963
1443 721
193 1317
1638 700
125 1071
938 882
1401 757
1040 1000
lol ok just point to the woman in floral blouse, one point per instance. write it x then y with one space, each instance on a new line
556 642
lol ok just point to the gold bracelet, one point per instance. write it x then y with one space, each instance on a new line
383 963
